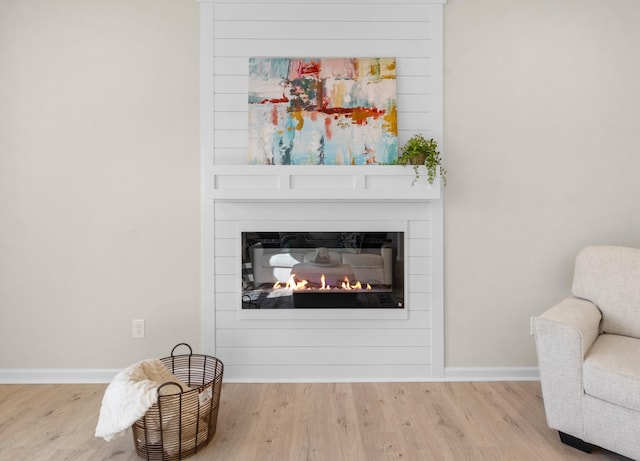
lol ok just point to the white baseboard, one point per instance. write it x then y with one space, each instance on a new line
56 376
491 374
81 376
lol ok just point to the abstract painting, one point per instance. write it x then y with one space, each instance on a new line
322 111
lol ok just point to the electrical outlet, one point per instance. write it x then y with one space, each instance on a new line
137 328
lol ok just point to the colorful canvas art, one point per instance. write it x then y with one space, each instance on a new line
322 111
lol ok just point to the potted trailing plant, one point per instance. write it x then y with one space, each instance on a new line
419 150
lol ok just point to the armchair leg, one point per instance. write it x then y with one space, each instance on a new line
575 442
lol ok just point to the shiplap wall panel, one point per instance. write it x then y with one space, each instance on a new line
315 30
226 247
419 301
315 337
230 120
324 373
227 283
420 247
227 214
418 319
326 354
342 48
226 301
229 155
225 228
321 12
420 227
227 265
282 348
231 138
419 283
418 265
232 102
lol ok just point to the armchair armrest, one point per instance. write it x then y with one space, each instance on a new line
563 336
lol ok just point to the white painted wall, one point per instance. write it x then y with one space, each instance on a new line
99 172
99 182
541 131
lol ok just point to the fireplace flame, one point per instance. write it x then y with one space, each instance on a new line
293 284
346 285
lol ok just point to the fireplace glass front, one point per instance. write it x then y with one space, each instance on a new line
332 270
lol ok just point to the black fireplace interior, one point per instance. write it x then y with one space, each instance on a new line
301 270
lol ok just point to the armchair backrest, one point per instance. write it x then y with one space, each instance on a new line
609 277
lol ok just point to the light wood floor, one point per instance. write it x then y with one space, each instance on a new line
324 422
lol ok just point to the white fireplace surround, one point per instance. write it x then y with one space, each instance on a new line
323 344
286 345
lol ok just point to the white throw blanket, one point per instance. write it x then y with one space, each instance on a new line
131 393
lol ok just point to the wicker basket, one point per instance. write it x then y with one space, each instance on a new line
181 422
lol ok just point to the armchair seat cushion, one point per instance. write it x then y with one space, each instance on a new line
612 370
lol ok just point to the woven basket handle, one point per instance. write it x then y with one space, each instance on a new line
181 344
170 383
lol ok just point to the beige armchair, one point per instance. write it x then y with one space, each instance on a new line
589 353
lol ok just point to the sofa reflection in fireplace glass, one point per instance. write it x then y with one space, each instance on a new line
330 270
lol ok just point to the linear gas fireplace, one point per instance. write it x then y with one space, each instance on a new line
322 270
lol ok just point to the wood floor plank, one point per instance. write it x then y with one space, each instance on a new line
490 421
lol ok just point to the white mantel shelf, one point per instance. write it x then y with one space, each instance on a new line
309 182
